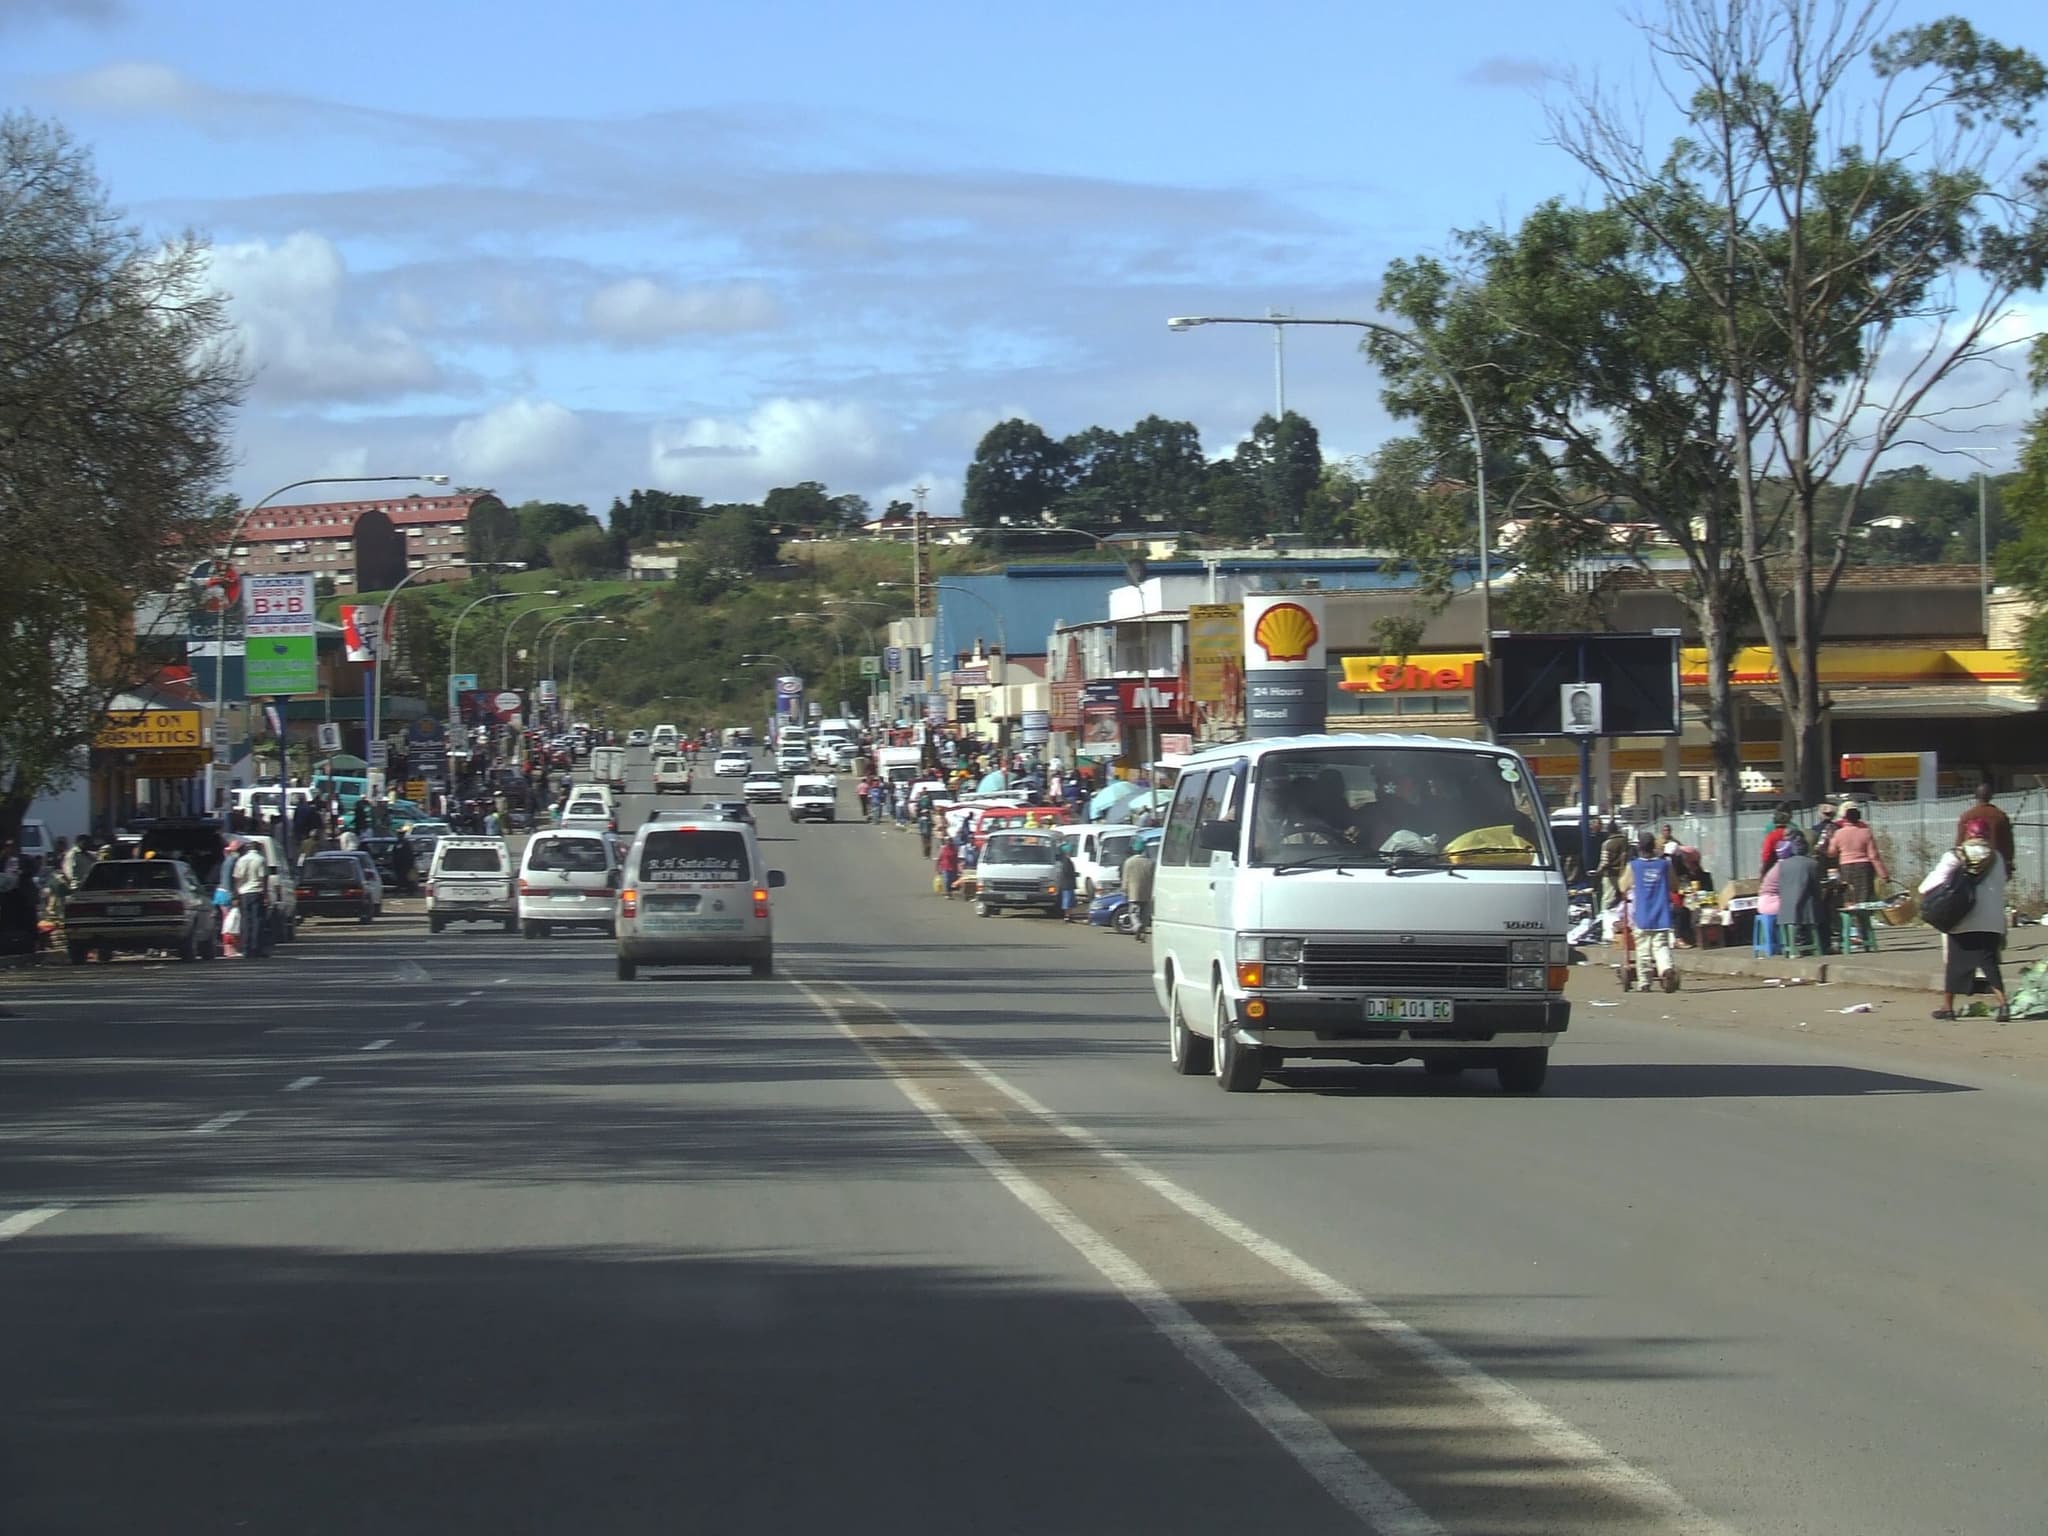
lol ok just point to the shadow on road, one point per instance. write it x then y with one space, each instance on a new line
1632 1080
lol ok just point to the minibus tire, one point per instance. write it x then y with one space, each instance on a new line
1239 1068
1442 1066
1189 1053
1523 1070
627 969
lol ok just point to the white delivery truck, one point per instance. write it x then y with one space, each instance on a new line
1372 899
900 765
608 767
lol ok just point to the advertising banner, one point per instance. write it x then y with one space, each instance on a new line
362 630
214 637
1102 735
1035 728
282 655
1216 652
459 683
149 730
1286 682
426 750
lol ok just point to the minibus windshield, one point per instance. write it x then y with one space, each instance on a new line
1393 806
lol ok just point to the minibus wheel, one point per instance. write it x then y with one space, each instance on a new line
1188 1051
1240 1068
1523 1071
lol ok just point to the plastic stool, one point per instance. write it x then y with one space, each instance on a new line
1763 936
1855 931
1801 938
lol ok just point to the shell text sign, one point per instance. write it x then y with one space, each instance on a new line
1286 632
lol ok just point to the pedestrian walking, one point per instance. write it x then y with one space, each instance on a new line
1997 825
247 877
949 867
1976 944
1067 879
1647 885
1613 859
1137 884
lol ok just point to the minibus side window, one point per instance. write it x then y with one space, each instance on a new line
1179 840
1223 799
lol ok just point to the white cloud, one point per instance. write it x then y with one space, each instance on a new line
844 444
520 437
290 303
640 311
24 13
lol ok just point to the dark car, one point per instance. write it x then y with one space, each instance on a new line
332 885
131 904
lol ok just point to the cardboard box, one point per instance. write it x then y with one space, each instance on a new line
1731 889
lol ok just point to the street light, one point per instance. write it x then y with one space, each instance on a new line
226 558
569 691
1444 371
1002 640
376 730
541 634
565 626
505 641
455 629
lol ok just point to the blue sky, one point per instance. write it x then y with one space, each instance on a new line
568 250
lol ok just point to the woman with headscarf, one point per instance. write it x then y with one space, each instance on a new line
1798 890
1976 943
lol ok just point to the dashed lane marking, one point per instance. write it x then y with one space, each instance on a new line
300 1084
375 1045
29 1220
219 1122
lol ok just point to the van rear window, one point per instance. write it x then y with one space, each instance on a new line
694 853
471 861
569 855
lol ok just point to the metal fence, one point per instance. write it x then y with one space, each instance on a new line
1911 834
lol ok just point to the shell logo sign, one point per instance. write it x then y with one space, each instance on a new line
1286 632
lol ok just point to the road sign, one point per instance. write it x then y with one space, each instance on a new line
871 666
508 702
380 755
330 737
892 658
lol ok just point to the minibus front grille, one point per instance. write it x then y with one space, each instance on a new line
1390 966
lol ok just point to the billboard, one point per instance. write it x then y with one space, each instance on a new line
1586 684
362 630
1216 652
214 634
1286 678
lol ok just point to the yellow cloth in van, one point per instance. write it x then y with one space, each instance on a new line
1505 849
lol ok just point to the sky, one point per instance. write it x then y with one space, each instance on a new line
568 250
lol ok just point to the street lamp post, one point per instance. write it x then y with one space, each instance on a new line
861 602
1444 371
384 631
455 631
226 558
505 640
561 628
577 650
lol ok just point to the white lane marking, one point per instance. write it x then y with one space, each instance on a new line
1589 1458
219 1122
299 1084
460 1002
375 1045
1340 1471
411 971
416 1024
29 1220
501 981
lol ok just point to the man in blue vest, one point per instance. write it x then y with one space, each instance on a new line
1646 886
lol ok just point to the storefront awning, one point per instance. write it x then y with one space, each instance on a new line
1950 703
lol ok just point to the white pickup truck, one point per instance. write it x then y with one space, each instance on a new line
814 797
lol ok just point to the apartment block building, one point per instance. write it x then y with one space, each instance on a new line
362 546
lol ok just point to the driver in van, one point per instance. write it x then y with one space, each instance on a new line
1300 812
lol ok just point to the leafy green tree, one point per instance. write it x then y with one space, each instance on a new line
1018 475
2023 560
1165 473
118 383
582 553
854 511
736 540
804 507
542 521
643 518
1844 256
492 533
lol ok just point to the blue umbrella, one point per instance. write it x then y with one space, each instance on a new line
993 783
1111 795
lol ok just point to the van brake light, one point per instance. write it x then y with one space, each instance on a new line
760 902
629 902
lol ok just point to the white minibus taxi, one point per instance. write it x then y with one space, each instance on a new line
1366 898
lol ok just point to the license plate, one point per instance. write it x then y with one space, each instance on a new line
328 895
125 909
1408 1010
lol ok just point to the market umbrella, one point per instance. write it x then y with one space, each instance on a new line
1113 794
992 783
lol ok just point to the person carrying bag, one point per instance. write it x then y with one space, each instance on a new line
1964 897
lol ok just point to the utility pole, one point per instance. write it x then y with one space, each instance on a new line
921 558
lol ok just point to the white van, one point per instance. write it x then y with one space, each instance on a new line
696 893
608 767
471 881
1099 851
568 880
671 773
664 739
1365 898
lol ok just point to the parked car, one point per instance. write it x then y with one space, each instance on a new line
196 842
398 873
140 904
1018 870
335 885
471 881
568 880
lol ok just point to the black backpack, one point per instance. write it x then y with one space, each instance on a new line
1951 900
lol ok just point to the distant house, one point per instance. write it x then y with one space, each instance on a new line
902 530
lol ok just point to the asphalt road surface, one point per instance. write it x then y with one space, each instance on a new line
399 1233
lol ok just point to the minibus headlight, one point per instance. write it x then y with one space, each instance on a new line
1560 952
1282 976
1526 978
1528 951
1287 950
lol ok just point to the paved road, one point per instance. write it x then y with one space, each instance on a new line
404 1233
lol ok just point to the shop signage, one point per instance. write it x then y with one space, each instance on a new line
892 658
1101 695
970 677
362 630
1035 726
1216 652
1136 695
1286 686
871 666
150 730
1434 672
1863 767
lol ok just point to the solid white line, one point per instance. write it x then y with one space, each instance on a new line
298 1083
29 1220
219 1122
1340 1471
1589 1458
375 1045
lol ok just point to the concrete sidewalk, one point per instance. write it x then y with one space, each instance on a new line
1906 960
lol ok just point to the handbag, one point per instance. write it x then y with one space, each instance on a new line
1951 899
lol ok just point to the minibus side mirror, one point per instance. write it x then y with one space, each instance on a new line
1217 837
777 879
